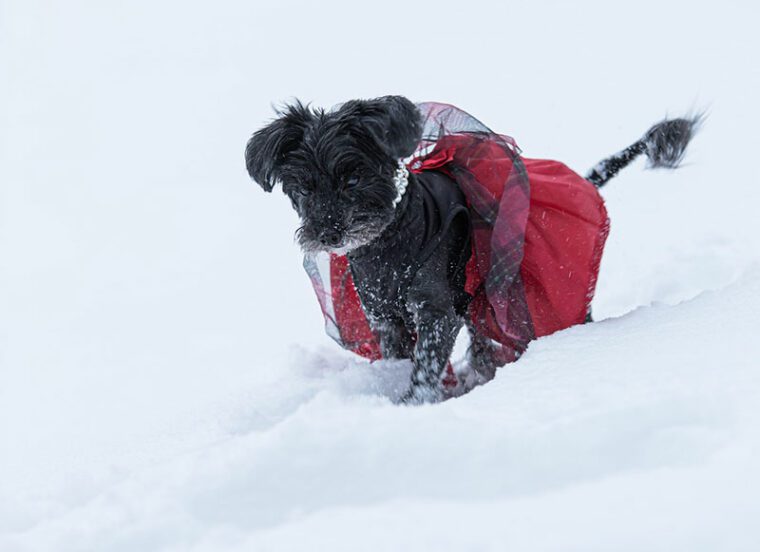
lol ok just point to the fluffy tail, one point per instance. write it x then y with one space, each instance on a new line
664 144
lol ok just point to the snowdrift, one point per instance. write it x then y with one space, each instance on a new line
165 381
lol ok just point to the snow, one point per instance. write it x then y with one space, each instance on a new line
165 380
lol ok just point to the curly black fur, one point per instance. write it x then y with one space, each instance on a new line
337 166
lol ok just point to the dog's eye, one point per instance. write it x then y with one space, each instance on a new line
352 181
300 192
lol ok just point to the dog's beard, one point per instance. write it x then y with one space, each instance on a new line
357 235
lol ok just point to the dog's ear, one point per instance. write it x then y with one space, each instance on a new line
394 122
269 147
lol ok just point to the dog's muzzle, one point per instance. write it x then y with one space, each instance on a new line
330 237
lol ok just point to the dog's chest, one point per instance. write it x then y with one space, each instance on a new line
384 271
382 278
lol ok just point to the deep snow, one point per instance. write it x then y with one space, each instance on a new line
165 383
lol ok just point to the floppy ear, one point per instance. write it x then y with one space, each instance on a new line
270 146
394 123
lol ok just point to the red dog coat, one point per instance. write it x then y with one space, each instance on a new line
538 231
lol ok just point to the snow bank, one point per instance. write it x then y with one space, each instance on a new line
636 432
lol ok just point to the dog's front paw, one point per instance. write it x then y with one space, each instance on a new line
421 394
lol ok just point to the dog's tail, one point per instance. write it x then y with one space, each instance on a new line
664 144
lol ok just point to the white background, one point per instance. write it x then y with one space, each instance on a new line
165 383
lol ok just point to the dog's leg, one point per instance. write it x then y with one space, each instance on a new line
436 330
481 355
395 339
437 324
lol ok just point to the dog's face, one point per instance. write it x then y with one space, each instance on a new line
337 167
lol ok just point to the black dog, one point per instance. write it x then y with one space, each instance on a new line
407 236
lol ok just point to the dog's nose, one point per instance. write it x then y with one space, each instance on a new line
330 238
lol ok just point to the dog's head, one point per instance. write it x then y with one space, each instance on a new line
337 167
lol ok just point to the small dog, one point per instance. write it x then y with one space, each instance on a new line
341 171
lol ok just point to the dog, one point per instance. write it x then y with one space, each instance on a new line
408 237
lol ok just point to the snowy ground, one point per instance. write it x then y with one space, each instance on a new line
165 383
